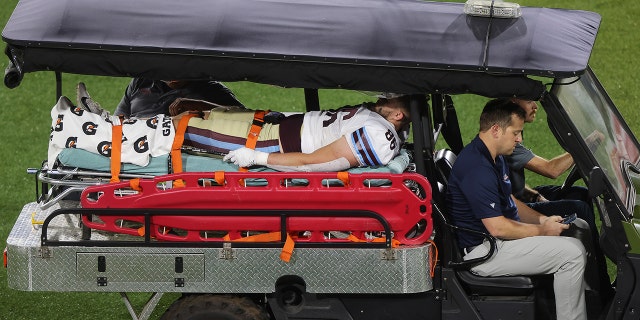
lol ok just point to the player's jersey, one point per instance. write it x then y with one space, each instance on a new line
373 139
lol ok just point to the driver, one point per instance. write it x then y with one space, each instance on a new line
551 199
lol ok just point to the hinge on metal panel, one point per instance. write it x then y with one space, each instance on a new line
44 252
179 282
388 254
441 294
226 252
102 281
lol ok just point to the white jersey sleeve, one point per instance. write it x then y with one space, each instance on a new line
372 139
374 145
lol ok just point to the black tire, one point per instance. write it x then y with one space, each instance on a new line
214 307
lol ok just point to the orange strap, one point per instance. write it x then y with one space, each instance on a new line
219 177
256 127
434 258
135 184
176 155
344 177
254 131
287 249
116 152
394 243
142 230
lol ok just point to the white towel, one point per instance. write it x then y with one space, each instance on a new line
74 127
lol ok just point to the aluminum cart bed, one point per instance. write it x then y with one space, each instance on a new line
50 250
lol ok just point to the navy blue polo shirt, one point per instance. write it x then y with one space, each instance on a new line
478 188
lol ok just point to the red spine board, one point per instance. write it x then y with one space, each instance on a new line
394 201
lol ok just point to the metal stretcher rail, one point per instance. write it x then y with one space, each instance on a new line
148 214
62 182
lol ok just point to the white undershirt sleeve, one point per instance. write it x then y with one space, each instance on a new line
339 164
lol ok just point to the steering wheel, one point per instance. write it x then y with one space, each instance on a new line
571 178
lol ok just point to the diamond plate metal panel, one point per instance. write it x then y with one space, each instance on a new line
141 267
249 270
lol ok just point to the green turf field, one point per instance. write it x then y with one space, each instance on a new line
25 124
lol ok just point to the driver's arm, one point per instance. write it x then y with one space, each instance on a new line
527 214
550 168
507 229
532 195
532 223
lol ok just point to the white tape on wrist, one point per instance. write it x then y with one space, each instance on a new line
261 158
339 164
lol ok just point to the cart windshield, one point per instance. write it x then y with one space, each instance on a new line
605 134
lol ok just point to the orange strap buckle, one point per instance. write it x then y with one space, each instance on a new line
256 127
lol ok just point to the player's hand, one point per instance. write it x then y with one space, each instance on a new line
245 157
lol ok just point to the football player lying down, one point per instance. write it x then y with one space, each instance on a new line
369 134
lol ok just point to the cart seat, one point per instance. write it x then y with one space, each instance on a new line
496 286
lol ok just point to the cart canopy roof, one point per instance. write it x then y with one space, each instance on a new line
404 46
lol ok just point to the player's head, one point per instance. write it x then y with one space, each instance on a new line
395 110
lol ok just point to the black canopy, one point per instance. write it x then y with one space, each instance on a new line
404 46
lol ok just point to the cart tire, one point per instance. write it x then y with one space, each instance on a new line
214 307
